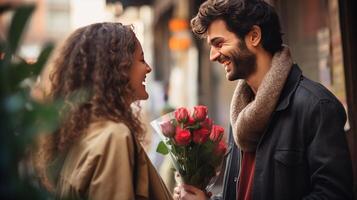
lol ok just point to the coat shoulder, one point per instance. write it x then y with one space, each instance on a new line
316 90
313 93
108 129
311 98
103 135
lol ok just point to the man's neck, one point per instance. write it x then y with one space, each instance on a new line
263 65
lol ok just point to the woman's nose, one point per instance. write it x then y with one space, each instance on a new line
148 69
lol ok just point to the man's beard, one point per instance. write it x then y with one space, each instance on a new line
244 62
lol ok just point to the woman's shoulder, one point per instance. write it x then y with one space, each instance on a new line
104 149
101 135
105 129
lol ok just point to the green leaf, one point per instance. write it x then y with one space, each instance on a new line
162 148
2 46
17 73
42 58
22 70
18 23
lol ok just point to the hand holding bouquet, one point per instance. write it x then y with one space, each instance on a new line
193 142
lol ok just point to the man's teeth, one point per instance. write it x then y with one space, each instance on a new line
226 62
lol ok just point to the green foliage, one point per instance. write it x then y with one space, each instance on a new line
162 148
17 26
21 117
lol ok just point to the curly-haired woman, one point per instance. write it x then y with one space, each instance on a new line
99 72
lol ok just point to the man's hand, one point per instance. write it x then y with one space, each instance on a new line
187 192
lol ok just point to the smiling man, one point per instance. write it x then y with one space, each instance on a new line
289 141
229 51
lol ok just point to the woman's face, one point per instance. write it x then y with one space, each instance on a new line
138 72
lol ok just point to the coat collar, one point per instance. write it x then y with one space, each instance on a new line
290 87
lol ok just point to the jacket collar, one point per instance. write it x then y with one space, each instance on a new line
290 87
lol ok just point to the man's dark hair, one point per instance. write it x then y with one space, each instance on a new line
240 16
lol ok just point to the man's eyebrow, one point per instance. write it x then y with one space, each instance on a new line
214 41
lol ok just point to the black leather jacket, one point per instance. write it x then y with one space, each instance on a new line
303 154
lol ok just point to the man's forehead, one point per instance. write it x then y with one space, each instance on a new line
217 30
216 27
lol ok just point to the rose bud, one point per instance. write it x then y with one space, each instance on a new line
200 113
200 136
216 133
191 120
168 129
181 115
220 149
207 123
183 136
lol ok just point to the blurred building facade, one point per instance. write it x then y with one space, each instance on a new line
53 20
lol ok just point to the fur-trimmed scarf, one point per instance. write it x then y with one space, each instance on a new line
250 114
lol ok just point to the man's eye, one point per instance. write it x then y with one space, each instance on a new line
219 45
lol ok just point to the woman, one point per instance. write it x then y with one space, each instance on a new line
99 72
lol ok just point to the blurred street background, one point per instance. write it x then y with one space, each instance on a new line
319 33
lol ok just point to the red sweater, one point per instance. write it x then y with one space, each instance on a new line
245 185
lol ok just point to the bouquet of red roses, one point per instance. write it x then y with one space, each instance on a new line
194 144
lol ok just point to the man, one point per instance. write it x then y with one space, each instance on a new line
289 129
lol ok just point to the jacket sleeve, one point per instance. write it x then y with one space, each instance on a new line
327 153
113 174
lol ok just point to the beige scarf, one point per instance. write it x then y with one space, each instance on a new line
250 115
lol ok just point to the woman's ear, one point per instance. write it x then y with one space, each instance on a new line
254 36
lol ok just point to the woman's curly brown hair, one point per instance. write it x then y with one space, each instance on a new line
91 76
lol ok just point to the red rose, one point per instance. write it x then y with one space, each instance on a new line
207 123
216 133
181 115
220 149
200 113
168 129
191 120
183 136
200 136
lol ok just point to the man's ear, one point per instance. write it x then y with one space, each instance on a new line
254 36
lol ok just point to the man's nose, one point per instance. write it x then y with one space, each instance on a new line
214 54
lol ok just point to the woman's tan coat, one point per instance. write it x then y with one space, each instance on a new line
109 163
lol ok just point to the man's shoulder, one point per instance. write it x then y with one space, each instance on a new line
310 95
313 92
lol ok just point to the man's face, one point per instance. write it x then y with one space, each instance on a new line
226 48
